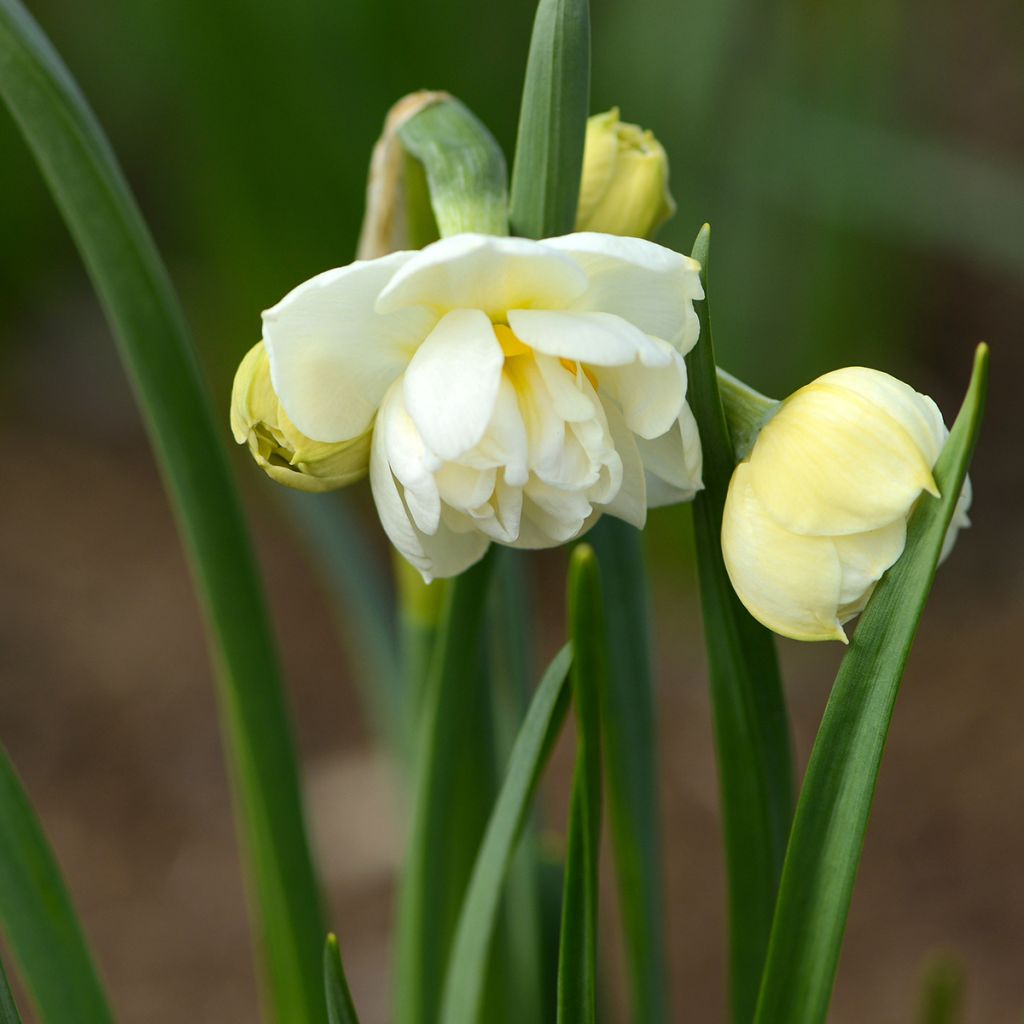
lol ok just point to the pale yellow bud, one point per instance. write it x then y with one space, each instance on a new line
819 510
624 190
281 450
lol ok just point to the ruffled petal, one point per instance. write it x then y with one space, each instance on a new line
446 552
650 398
630 500
673 462
451 384
332 356
646 284
487 273
788 582
599 339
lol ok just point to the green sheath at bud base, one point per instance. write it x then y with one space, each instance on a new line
280 449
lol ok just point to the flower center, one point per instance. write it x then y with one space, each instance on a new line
513 347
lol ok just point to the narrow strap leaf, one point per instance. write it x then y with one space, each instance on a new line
340 1008
454 780
577 954
552 121
835 801
467 969
521 973
751 729
39 921
138 298
8 1007
630 763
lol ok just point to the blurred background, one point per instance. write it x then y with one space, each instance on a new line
863 168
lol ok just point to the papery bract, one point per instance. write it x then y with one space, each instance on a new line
819 510
516 390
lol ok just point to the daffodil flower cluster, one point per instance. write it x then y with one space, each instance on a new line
497 389
501 390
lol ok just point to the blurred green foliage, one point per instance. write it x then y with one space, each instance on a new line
857 161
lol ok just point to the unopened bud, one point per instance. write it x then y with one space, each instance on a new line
280 449
624 190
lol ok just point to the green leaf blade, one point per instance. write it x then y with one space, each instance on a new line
468 967
140 304
577 955
39 920
552 122
630 764
832 814
454 784
751 728
340 1008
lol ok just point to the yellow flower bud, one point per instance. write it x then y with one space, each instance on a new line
624 190
281 450
819 510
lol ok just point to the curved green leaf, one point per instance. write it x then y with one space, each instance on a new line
630 764
8 1008
467 970
340 1008
577 954
552 121
751 729
139 301
835 801
39 920
454 783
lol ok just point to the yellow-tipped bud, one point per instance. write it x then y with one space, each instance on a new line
624 190
281 450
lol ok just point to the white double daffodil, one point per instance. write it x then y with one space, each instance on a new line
819 510
515 390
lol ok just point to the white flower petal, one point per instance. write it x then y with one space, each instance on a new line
788 582
505 443
463 488
410 461
599 339
650 399
544 428
673 462
831 462
630 500
332 356
446 553
565 394
646 284
452 382
487 273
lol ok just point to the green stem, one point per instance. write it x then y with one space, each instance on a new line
751 729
